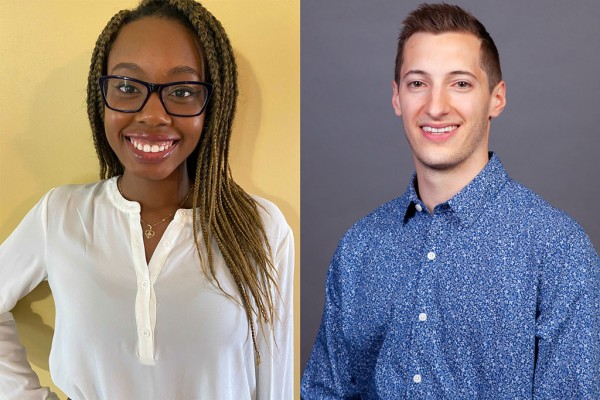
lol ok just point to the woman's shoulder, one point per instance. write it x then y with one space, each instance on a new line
76 193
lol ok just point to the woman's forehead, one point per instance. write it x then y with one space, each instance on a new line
156 47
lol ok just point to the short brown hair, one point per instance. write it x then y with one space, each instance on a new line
440 18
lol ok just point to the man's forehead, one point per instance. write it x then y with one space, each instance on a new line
462 36
448 51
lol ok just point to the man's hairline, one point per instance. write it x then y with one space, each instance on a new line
399 67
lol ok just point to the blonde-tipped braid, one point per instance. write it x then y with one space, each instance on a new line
224 213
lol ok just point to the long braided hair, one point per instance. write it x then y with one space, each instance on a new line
224 212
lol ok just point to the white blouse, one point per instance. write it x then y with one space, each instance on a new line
127 329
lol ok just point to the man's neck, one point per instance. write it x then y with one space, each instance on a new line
438 186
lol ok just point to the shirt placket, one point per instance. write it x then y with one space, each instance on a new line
422 314
146 276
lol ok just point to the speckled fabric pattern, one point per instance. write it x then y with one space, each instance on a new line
496 295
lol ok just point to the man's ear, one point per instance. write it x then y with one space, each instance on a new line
498 100
396 99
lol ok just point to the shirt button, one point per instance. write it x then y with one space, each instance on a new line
417 378
146 332
418 207
166 243
431 256
145 284
422 317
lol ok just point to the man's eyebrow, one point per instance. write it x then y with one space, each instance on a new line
470 74
415 72
451 73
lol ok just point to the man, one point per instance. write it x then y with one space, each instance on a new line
469 286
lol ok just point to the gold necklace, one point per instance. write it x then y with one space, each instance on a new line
149 233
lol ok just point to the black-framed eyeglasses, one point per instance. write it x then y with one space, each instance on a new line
180 99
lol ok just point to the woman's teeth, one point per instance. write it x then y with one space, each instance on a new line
150 147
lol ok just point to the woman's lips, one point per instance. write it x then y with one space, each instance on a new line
150 150
148 146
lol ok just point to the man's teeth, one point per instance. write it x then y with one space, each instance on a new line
439 130
150 147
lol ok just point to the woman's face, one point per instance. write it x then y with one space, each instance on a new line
150 143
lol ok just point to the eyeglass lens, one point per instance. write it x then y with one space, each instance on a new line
129 96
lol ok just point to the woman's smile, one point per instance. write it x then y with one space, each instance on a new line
151 143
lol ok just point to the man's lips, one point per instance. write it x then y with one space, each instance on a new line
438 133
439 130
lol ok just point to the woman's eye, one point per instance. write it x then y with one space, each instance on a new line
127 88
181 92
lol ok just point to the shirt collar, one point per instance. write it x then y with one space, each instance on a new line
469 203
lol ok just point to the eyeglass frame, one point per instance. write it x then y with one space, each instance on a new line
154 88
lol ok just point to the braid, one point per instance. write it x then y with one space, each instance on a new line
109 163
224 212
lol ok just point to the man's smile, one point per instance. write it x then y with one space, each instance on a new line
434 130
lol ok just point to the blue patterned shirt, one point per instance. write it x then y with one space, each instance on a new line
496 295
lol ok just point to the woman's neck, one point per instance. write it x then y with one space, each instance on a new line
156 195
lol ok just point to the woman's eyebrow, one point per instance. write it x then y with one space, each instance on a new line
183 69
127 66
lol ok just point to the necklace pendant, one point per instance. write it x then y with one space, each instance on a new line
149 233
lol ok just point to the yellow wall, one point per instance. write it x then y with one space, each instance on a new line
45 47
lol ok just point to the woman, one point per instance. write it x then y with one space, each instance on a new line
170 282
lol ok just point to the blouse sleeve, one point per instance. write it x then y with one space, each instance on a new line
275 373
22 268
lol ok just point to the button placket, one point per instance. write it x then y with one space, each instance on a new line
422 329
144 319
147 274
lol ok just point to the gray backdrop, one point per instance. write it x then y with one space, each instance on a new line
355 156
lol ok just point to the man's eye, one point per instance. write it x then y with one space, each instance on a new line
415 84
463 84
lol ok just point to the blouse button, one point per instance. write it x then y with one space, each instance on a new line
431 256
418 207
422 317
146 332
417 378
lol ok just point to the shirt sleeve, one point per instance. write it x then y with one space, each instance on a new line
568 321
275 373
328 374
22 268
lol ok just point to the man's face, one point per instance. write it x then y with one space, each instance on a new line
445 103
